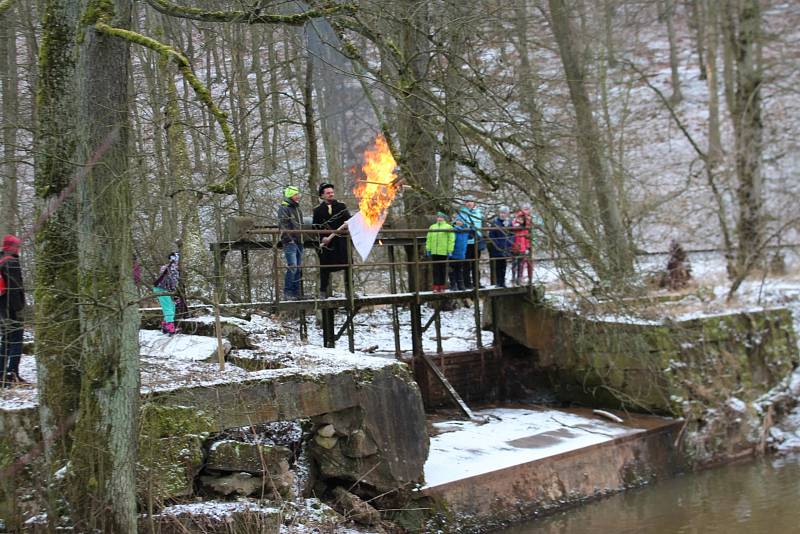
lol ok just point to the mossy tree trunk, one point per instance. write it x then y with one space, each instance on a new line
744 38
101 482
10 83
57 323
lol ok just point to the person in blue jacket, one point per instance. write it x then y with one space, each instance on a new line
501 242
472 216
458 267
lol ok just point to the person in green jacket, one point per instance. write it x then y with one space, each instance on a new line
439 244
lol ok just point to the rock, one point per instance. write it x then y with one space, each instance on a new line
353 508
359 445
239 483
166 467
377 449
215 518
204 326
326 431
237 456
163 420
325 443
170 450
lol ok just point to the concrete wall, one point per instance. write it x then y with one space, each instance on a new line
654 367
522 491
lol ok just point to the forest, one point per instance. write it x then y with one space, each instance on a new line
132 129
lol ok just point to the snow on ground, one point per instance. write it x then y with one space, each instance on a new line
183 360
511 437
154 344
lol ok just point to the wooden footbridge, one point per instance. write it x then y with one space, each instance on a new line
399 275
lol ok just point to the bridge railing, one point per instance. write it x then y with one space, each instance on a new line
398 258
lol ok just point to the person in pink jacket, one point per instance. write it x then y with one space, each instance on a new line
522 247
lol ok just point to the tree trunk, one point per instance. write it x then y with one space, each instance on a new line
10 79
669 10
57 320
748 135
309 123
609 8
103 459
698 24
616 252
416 140
712 35
457 14
257 40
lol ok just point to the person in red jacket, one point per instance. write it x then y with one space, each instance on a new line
12 301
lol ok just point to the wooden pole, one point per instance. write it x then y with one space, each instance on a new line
398 351
351 308
276 285
248 292
476 296
218 332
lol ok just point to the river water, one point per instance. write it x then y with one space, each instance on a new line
758 497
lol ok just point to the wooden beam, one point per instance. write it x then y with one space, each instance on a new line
451 390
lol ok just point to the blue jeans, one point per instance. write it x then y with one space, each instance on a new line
294 258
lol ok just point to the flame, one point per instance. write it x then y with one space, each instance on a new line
378 188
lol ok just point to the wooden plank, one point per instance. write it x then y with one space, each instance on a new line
450 390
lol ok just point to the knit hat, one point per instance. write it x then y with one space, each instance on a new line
290 191
323 187
503 209
11 244
469 198
441 214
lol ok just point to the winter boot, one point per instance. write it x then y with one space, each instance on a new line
170 327
453 281
164 327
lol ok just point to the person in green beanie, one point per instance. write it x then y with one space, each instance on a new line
439 244
290 221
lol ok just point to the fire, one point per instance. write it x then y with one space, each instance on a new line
378 188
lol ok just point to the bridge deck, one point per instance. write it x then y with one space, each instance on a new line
372 300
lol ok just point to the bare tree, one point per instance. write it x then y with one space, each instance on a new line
616 254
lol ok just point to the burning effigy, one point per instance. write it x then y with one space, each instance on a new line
375 192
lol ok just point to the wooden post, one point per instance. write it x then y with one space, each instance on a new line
398 351
415 308
351 308
438 324
498 348
328 335
219 269
218 332
248 293
476 296
276 284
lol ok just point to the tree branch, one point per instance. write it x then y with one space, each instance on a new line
252 16
200 90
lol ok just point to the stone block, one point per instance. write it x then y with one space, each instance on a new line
161 420
166 467
353 508
235 456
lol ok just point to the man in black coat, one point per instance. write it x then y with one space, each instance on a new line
331 215
12 301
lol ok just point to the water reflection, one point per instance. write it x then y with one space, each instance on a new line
753 498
